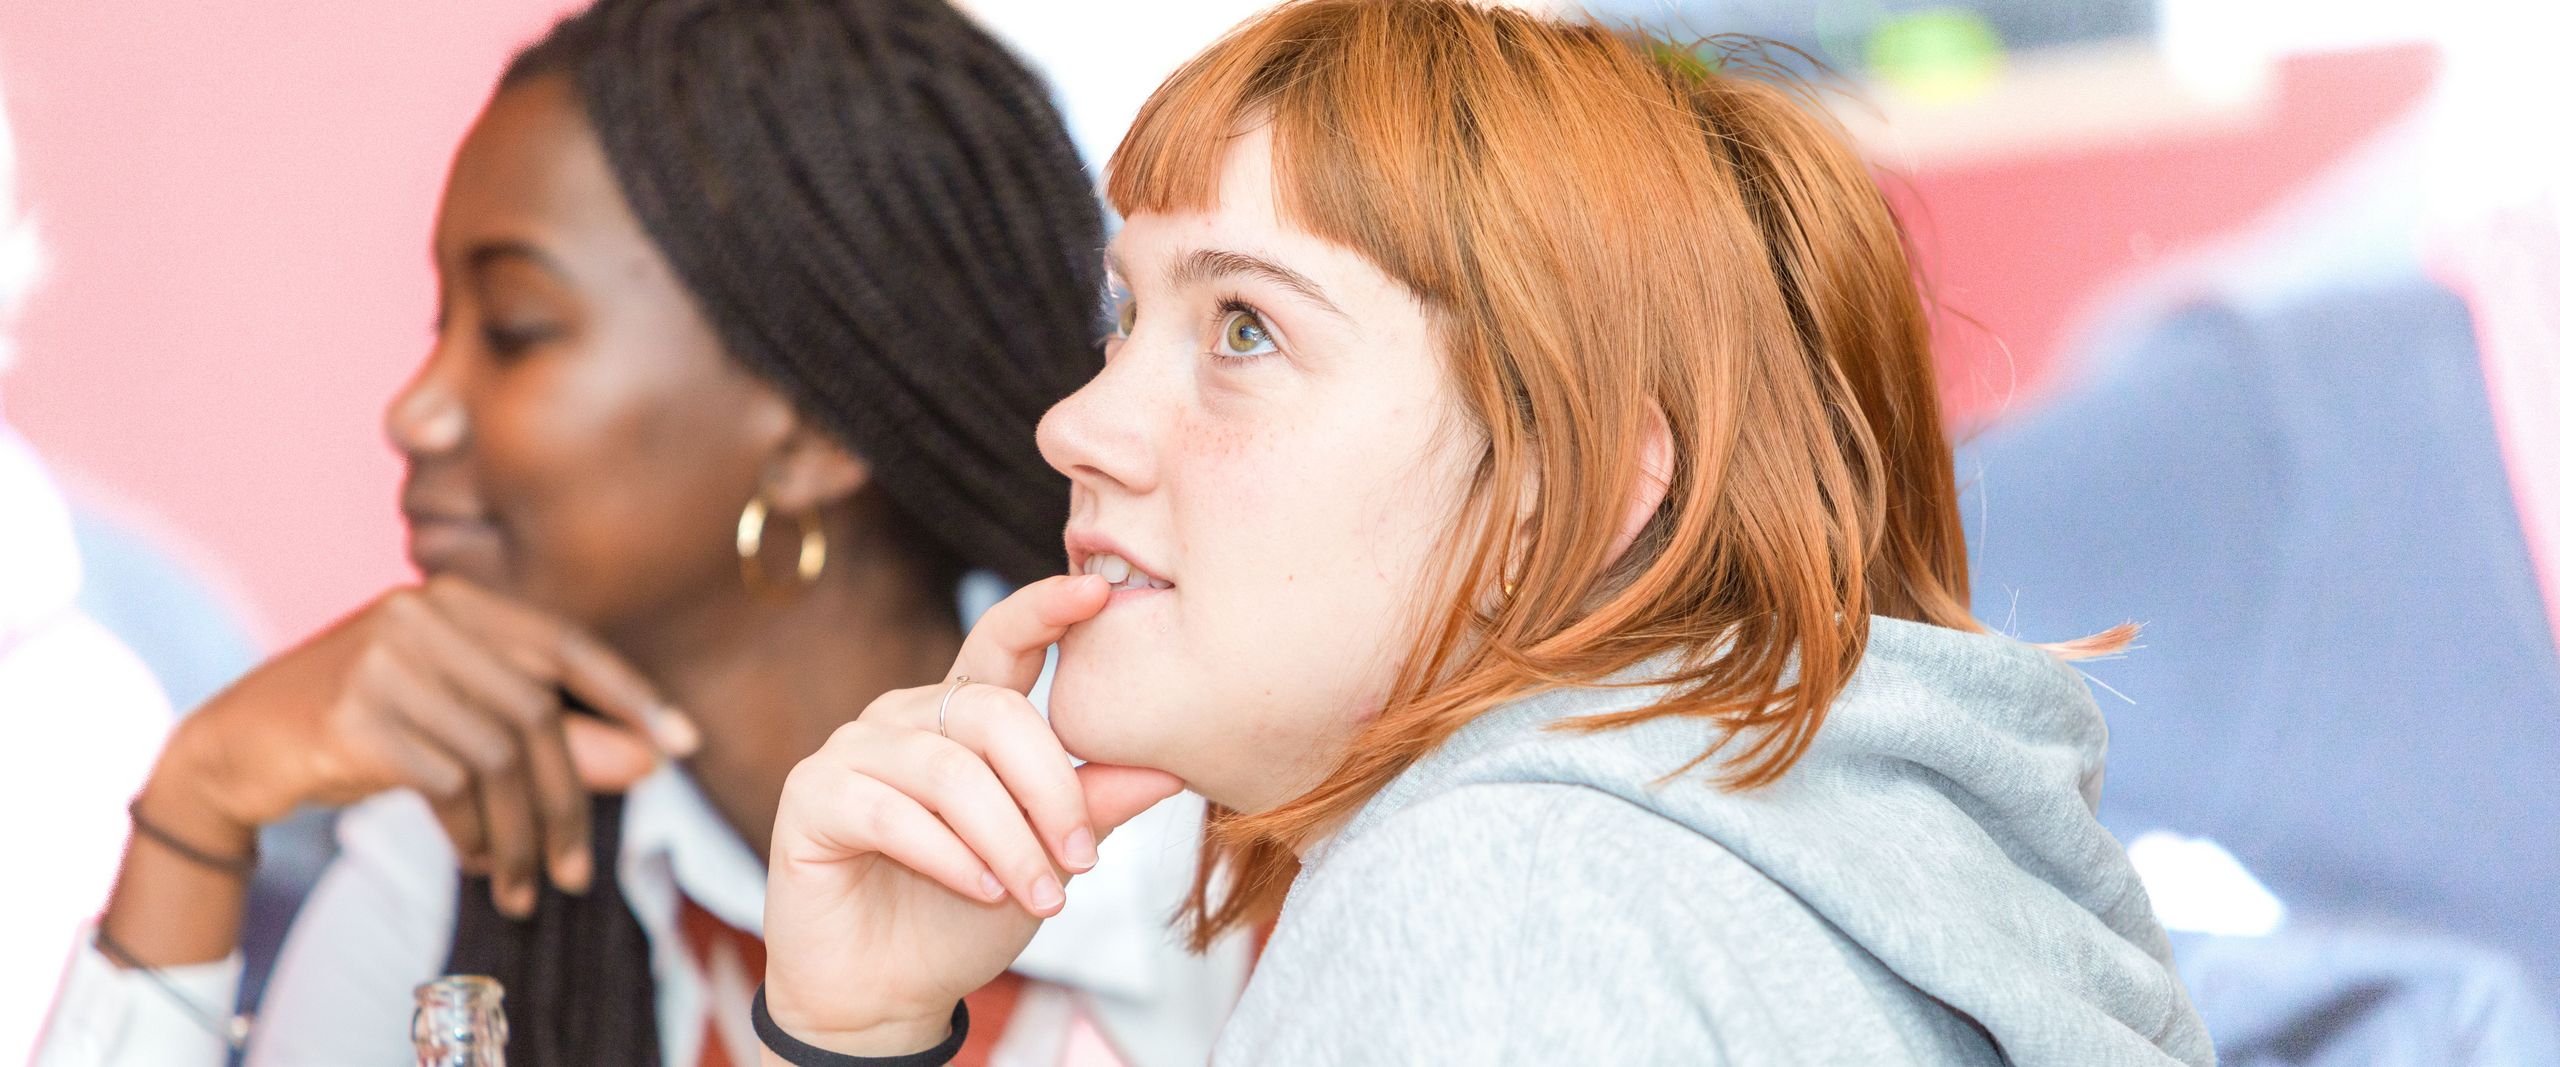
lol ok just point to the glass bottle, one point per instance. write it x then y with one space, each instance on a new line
460 1023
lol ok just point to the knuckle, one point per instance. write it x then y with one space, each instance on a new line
404 603
948 767
887 707
378 663
442 781
565 812
520 707
563 644
1018 747
986 706
881 825
798 780
811 783
350 718
534 705
848 737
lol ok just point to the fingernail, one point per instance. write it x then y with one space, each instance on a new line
676 733
516 900
1045 894
572 871
1080 849
989 888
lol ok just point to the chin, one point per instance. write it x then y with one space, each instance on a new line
1101 714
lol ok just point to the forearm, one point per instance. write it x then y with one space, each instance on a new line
169 908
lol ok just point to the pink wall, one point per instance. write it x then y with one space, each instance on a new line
2025 246
237 199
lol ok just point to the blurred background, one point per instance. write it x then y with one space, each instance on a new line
235 201
2228 318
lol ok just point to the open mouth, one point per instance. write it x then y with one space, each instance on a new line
1122 576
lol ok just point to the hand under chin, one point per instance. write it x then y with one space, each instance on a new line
608 759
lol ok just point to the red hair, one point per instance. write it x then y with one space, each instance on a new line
1599 229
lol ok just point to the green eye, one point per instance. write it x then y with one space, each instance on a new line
1119 307
1242 334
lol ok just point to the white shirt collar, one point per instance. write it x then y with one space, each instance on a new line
670 830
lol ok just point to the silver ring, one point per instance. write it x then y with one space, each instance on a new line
942 714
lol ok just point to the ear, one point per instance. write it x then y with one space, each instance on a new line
810 470
1653 481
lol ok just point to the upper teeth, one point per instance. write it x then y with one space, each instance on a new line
1120 574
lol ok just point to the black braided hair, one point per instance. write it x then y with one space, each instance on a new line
878 211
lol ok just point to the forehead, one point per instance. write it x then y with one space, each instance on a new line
1246 212
531 163
1246 218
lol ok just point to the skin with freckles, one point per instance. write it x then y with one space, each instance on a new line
1557 353
1287 461
1262 472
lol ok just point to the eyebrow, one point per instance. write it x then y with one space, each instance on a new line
1208 264
479 256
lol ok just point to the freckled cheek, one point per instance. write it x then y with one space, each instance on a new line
1246 503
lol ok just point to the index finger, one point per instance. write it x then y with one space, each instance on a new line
591 672
1012 639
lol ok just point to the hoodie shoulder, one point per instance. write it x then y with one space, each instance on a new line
1942 822
1544 922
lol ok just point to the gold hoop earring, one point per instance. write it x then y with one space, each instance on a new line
813 549
751 543
813 545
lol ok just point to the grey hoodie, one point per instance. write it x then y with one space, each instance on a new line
1928 885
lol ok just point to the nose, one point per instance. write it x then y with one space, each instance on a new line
427 417
1104 436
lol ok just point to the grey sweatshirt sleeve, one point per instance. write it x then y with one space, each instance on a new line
1546 923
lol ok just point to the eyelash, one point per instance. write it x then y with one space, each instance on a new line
1229 306
1117 299
508 343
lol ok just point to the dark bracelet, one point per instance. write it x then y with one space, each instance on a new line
802 1054
240 866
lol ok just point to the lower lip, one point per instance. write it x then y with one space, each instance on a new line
1125 596
438 544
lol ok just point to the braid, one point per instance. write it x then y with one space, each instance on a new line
924 297
577 974
879 213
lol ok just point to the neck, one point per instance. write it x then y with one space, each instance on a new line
769 674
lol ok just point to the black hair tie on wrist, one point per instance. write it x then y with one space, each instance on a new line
241 867
802 1054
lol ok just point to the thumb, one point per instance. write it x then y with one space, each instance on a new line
608 758
1012 639
1114 795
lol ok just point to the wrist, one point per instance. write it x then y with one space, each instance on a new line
882 1033
185 795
